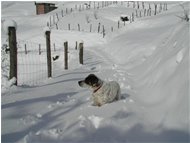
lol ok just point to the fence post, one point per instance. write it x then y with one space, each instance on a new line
48 46
81 53
69 26
103 32
98 27
40 49
13 53
25 49
78 27
76 46
66 54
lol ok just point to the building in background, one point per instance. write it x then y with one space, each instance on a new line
44 7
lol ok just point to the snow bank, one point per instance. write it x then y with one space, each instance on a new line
9 23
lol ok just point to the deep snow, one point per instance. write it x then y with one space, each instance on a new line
149 58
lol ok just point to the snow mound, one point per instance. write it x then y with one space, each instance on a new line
8 23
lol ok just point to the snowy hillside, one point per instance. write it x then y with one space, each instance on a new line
149 58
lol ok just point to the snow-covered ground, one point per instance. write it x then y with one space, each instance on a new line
148 57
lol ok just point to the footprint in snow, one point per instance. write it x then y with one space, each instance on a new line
94 120
30 119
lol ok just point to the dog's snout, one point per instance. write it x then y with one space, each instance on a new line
79 82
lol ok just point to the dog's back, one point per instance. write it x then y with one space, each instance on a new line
114 90
109 92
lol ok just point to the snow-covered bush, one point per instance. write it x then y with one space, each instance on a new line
5 69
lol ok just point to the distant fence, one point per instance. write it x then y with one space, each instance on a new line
141 9
32 63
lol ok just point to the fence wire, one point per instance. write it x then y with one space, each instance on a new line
32 66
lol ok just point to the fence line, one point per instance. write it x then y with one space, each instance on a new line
141 9
32 66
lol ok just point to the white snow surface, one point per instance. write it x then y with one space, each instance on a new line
149 58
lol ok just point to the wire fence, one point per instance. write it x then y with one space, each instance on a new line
32 61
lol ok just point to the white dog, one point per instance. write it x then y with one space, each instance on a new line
103 92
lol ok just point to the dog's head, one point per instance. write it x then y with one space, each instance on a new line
91 81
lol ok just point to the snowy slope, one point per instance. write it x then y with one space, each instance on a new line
149 58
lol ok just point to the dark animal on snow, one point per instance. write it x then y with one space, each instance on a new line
102 92
124 18
55 58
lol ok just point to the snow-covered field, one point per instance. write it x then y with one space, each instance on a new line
148 57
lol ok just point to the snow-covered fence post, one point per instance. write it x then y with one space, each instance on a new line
57 16
76 45
25 49
48 46
81 53
143 5
62 13
103 32
140 13
136 13
118 25
53 19
66 54
155 11
160 8
78 27
40 49
69 26
66 11
144 12
13 52
50 21
98 27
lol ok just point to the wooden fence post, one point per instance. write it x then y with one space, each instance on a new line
69 26
103 32
78 27
76 45
66 54
98 27
13 53
81 53
25 49
40 49
48 46
90 27
62 13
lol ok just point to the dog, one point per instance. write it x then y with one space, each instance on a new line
102 92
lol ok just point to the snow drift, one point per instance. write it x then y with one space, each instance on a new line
150 60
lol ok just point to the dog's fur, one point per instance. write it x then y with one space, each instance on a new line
103 92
